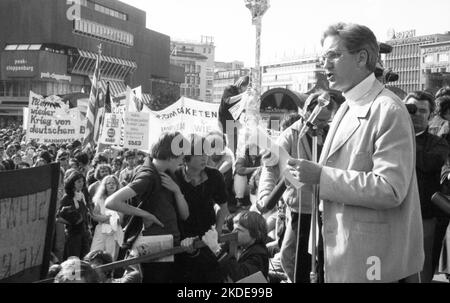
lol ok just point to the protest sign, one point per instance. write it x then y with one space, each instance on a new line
52 121
25 118
112 128
136 130
27 218
186 116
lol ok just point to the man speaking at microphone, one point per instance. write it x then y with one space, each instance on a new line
297 146
372 225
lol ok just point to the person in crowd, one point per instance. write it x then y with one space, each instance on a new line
116 166
8 164
29 154
108 234
231 95
63 159
366 172
74 213
73 164
83 162
204 190
75 270
99 158
439 125
59 236
252 256
10 151
297 148
431 153
245 166
52 150
97 258
101 171
140 157
222 158
158 203
126 174
22 165
17 158
443 91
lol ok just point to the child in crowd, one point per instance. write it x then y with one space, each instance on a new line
108 235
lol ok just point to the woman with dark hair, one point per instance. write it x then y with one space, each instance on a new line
252 255
439 125
74 213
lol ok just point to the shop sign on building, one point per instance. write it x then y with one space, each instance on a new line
19 64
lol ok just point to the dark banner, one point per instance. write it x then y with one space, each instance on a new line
27 219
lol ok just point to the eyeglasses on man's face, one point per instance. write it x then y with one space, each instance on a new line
334 55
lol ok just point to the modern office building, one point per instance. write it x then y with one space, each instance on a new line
298 75
225 78
197 59
225 66
435 65
405 58
50 47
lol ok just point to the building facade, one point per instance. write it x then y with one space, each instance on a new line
225 78
435 65
405 58
51 46
225 66
197 59
298 75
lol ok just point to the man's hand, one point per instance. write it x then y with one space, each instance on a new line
188 243
168 183
210 238
305 171
150 219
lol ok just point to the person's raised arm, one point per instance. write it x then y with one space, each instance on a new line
117 202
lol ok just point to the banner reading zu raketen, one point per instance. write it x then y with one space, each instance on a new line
186 116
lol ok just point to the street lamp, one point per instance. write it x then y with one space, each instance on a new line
257 8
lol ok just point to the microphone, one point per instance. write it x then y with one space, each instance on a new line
322 101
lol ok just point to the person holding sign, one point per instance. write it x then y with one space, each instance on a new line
205 192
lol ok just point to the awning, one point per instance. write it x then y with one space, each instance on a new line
112 67
115 87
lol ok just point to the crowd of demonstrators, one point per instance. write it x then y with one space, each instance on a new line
378 172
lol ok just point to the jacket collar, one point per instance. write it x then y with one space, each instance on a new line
358 109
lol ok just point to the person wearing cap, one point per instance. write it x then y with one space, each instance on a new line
231 96
127 173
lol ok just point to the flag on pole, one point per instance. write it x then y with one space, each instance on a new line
107 99
91 135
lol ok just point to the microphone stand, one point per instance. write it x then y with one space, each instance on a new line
314 215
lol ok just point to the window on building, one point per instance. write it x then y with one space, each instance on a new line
442 57
428 59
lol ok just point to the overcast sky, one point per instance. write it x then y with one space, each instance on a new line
289 26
